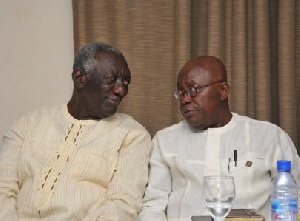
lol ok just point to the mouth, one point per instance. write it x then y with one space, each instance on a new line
188 113
114 101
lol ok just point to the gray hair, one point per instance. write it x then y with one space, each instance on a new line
85 57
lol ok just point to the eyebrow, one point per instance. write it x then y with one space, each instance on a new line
189 84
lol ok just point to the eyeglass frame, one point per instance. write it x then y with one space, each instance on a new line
179 93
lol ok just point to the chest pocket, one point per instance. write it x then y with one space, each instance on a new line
93 166
251 173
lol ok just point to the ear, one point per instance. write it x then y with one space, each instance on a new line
224 90
79 78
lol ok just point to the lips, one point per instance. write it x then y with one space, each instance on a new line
188 113
114 101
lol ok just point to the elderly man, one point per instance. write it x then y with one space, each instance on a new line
80 160
204 144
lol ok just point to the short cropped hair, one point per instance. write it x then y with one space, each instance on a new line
85 57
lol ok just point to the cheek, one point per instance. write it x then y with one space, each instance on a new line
208 101
96 99
206 107
101 93
125 92
202 103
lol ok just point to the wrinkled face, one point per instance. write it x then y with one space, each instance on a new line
105 89
204 109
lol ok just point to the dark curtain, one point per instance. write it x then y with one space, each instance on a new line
258 40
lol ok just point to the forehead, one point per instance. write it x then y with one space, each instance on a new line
195 75
112 62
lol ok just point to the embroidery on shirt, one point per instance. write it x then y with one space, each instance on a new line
52 173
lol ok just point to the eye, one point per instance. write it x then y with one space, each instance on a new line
126 82
190 90
111 80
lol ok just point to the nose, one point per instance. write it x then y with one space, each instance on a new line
120 89
185 98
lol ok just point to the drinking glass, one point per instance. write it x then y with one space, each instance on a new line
218 195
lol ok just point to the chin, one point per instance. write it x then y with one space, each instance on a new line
195 124
109 113
191 123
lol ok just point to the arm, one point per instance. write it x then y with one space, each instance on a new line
158 189
9 180
123 198
287 151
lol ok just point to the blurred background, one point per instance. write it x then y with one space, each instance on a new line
258 40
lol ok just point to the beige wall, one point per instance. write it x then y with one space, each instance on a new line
36 54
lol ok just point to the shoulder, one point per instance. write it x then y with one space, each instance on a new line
40 112
122 118
128 122
30 119
246 119
260 126
174 130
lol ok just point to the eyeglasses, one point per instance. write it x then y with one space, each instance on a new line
192 91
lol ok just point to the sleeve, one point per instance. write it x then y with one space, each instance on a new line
9 179
157 192
123 198
286 150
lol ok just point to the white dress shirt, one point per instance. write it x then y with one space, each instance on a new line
54 167
182 156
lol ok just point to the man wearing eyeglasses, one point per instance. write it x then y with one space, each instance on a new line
211 140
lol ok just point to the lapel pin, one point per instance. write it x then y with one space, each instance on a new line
248 163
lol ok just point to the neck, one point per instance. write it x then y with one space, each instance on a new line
72 108
225 117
